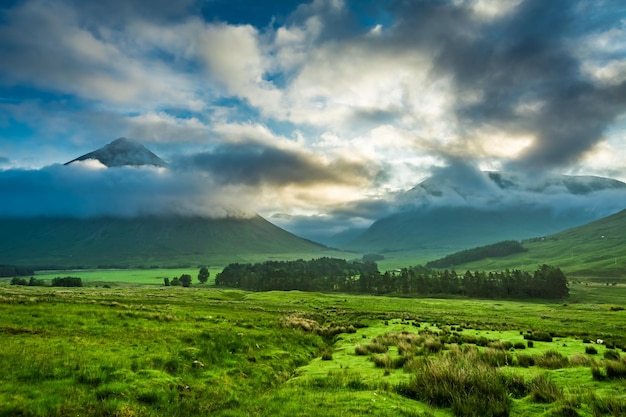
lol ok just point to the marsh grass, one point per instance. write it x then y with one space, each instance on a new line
157 351
469 387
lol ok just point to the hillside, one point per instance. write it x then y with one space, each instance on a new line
596 249
144 242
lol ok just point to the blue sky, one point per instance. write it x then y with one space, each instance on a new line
311 108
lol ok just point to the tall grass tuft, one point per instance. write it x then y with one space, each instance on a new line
607 406
551 359
544 390
469 387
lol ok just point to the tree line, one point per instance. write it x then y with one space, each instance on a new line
495 250
15 271
329 274
323 274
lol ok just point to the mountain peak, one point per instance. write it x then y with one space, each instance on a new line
123 152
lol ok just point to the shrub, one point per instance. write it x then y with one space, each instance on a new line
591 350
519 345
530 344
611 355
19 281
67 282
543 390
327 355
34 282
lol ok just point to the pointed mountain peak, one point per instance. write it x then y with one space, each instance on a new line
123 152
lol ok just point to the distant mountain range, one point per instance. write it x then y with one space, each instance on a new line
444 214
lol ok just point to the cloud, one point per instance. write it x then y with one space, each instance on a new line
66 52
88 189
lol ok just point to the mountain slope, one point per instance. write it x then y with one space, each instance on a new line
445 214
122 152
144 241
596 249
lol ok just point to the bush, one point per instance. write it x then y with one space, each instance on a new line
611 355
591 350
19 281
67 282
519 345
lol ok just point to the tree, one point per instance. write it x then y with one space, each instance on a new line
185 280
203 275
166 281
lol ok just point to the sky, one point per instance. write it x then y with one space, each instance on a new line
319 111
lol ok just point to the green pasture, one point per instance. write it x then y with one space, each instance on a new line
150 350
128 276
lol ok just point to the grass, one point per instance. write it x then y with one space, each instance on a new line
149 350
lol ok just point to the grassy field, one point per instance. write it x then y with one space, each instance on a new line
150 350
93 277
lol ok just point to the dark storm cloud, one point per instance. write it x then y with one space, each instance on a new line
255 164
525 57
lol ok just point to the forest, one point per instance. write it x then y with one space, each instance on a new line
329 274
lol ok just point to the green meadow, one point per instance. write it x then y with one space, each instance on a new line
149 350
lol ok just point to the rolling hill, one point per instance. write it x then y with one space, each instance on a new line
52 243
596 249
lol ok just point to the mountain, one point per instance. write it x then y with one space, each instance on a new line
144 241
595 249
447 213
167 240
123 152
